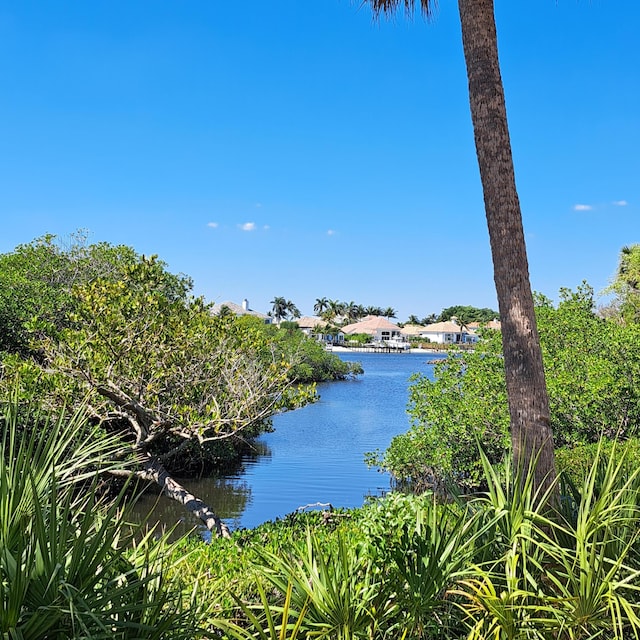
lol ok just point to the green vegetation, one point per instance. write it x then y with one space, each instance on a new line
501 564
103 326
465 314
626 285
109 366
348 312
359 339
283 308
592 368
69 567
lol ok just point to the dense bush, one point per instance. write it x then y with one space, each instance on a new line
592 367
310 361
70 564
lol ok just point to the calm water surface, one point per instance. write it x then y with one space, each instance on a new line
316 454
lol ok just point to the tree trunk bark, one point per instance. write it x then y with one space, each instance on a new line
531 435
155 472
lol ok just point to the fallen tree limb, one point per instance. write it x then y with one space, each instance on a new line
153 471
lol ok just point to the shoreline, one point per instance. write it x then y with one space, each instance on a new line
337 349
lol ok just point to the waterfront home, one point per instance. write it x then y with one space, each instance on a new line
379 328
412 331
449 332
321 330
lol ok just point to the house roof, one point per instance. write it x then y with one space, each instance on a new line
445 327
492 324
370 325
311 322
308 322
238 309
412 329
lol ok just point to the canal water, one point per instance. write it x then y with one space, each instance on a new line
315 454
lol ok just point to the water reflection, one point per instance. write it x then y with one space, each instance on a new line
228 495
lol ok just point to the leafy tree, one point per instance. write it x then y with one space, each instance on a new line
166 373
359 338
466 314
531 436
36 282
593 370
154 365
626 284
311 361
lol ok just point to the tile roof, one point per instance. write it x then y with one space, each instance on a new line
371 325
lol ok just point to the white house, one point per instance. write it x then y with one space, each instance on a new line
379 328
448 332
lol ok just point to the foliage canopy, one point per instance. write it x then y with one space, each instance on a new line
592 368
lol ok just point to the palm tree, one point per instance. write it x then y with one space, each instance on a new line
413 319
531 436
279 308
389 313
334 308
320 306
292 310
351 311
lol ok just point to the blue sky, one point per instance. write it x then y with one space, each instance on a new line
300 149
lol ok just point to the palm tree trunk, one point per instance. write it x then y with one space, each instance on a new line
531 434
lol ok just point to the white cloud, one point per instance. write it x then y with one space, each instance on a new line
620 203
331 232
213 225
248 226
582 207
266 227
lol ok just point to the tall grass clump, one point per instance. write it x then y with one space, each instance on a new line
70 566
564 568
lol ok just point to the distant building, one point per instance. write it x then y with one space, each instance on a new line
240 310
448 332
492 324
320 330
412 330
379 328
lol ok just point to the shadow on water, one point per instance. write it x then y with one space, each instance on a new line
315 454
